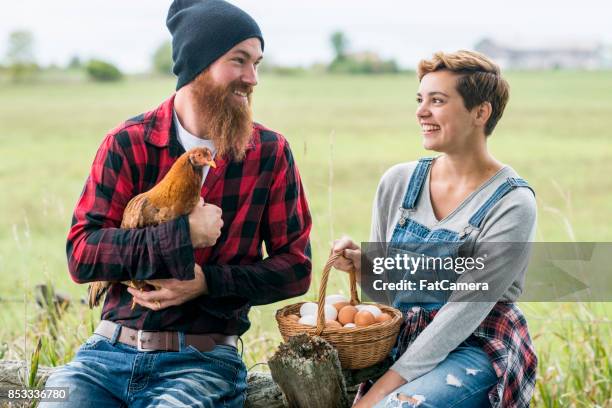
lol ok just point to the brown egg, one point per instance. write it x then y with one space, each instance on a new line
340 305
332 324
347 314
383 318
364 318
293 317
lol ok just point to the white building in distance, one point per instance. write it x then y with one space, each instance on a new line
575 55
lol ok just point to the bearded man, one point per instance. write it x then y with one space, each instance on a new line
178 347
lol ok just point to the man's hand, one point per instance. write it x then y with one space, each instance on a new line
351 255
171 292
205 224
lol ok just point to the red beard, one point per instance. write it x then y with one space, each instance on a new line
229 124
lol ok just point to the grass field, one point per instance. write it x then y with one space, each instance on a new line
344 131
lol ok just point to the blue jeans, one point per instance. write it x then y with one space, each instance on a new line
107 374
462 380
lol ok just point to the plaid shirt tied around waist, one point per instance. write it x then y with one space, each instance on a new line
262 199
504 337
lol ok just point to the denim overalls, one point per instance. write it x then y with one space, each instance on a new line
414 239
436 389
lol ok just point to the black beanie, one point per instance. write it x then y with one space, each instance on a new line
204 30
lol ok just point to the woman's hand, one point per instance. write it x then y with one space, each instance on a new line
384 386
351 255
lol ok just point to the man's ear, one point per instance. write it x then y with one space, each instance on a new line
483 113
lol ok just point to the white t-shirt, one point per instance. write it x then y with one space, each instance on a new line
189 141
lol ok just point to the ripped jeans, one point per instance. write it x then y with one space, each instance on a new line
462 380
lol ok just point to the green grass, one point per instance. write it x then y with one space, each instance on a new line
344 131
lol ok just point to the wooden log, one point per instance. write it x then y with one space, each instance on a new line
262 391
308 371
13 376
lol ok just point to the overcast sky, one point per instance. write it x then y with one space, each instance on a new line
297 32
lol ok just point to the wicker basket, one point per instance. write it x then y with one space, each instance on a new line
357 347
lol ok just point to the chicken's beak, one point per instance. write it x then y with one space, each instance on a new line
212 164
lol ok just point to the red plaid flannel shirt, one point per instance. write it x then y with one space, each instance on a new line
505 338
262 200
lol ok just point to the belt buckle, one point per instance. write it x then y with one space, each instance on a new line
139 346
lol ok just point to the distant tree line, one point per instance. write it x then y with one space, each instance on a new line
162 59
20 62
366 62
21 65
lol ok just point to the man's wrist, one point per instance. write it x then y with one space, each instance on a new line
194 242
204 283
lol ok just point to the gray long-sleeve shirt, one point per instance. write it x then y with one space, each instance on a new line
512 219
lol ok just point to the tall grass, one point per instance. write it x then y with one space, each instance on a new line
576 370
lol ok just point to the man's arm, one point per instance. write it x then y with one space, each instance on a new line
286 228
97 249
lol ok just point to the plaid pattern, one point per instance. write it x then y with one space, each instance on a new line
262 199
505 338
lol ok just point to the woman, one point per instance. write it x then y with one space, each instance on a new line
457 353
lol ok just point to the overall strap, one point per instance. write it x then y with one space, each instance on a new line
416 183
510 184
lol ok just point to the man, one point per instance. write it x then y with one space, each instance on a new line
177 347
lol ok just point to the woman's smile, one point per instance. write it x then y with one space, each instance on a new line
429 129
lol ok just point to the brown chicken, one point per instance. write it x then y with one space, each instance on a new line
175 195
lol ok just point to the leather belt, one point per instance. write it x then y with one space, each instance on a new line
145 340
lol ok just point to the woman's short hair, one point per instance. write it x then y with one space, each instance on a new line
479 80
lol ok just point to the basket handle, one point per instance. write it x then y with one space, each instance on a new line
323 288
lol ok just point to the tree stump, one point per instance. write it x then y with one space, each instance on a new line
307 370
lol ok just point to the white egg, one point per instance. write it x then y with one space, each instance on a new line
359 307
310 320
308 309
372 309
330 312
333 299
349 325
